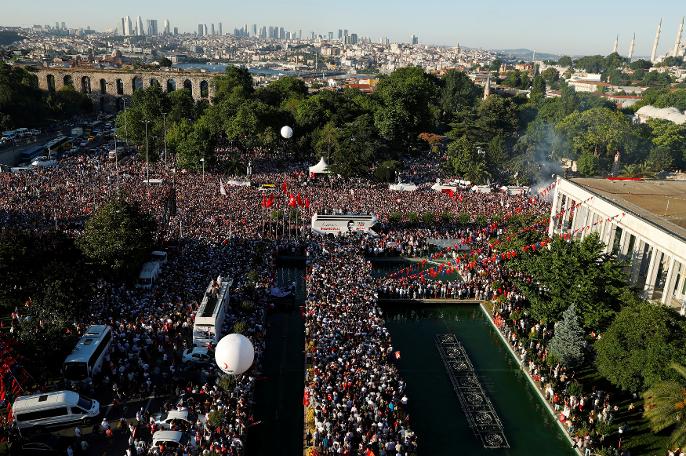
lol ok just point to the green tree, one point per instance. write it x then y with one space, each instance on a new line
551 76
406 105
640 64
588 164
664 405
118 237
636 350
603 132
538 89
578 273
358 145
565 61
236 82
568 344
457 92
165 62
327 141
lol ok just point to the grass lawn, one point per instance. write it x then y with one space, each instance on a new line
638 438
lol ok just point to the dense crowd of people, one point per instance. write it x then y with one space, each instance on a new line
358 397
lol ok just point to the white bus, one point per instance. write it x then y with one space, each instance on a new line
345 224
52 410
209 320
86 359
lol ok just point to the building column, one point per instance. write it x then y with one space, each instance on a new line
624 242
651 276
636 259
553 211
669 282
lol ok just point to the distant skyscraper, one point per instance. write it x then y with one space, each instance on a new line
128 26
57 25
340 34
345 33
151 29
615 48
64 26
330 36
212 29
656 42
282 33
166 27
353 38
221 29
122 27
254 30
414 39
200 29
204 29
176 30
139 26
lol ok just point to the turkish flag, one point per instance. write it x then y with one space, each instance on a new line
284 187
292 201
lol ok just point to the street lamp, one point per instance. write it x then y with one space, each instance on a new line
147 162
164 119
202 160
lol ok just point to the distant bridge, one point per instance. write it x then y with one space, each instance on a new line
109 88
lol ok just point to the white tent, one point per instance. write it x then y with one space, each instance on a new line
320 168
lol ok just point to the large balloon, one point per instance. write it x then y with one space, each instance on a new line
234 354
287 132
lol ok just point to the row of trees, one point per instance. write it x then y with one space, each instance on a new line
503 138
633 343
23 104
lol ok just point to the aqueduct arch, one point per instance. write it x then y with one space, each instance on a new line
107 88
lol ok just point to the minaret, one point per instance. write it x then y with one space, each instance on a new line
487 87
615 48
677 43
656 42
631 47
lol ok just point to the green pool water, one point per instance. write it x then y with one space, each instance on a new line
435 411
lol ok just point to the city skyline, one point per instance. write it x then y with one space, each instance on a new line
534 25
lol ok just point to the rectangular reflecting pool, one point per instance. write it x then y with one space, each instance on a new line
436 415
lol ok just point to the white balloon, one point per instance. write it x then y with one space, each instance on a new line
286 132
234 354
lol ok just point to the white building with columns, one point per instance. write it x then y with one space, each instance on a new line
642 221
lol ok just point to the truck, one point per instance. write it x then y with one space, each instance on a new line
77 132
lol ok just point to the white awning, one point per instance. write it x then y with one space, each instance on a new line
320 168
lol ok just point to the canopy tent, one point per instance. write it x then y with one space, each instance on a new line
320 168
403 187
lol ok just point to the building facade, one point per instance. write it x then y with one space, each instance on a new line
642 222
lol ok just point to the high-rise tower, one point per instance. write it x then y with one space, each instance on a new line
140 31
656 42
615 48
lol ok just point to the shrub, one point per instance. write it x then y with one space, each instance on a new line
240 327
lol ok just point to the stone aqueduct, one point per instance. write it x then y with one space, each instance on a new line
109 88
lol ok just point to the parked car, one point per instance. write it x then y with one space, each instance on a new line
197 355
43 444
171 440
177 419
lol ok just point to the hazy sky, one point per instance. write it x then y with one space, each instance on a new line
575 27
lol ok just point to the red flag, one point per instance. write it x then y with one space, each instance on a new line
264 201
292 201
284 187
307 203
270 201
299 200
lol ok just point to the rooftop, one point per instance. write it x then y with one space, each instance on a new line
660 202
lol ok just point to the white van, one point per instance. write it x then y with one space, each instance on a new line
52 410
148 276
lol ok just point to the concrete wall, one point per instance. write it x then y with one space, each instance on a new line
108 101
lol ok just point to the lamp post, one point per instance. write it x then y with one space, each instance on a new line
147 162
126 133
202 160
164 119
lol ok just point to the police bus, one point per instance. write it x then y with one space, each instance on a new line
86 360
345 224
58 145
209 320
